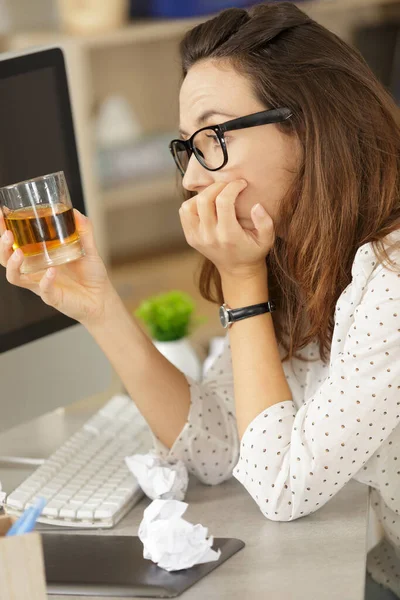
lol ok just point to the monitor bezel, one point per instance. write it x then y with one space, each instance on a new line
12 65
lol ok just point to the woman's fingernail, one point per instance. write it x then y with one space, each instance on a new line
8 237
17 255
78 214
259 210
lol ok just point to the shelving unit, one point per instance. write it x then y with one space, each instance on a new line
158 30
139 193
140 62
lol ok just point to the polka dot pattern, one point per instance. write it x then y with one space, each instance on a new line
208 443
342 422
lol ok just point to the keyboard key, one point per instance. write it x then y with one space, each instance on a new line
68 511
18 500
52 509
85 513
46 494
105 511
28 488
97 424
118 498
39 479
61 497
75 502
93 503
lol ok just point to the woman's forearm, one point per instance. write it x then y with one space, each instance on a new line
159 389
259 379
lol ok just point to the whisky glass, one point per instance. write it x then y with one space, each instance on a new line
40 215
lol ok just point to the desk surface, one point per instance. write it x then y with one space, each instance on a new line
320 556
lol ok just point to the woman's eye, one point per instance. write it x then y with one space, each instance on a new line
216 141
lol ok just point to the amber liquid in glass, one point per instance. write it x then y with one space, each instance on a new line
45 226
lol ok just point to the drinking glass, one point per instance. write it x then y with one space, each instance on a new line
39 212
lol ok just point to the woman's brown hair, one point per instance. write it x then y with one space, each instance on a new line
347 192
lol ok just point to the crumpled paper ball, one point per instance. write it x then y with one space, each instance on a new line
159 478
170 541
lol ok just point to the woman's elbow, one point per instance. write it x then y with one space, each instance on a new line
213 477
279 511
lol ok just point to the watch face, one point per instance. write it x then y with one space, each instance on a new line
224 317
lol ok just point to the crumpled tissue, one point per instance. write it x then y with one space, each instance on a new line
159 478
170 541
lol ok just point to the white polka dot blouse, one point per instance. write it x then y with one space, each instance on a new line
342 423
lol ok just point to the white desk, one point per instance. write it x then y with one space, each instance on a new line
318 557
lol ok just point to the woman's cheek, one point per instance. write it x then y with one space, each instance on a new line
245 202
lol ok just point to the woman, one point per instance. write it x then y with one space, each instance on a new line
297 206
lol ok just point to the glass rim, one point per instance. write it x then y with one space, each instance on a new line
38 178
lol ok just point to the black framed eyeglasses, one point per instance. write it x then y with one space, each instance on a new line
208 144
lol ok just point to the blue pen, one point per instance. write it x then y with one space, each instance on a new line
14 529
27 520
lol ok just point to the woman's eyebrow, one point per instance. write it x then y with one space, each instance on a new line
205 116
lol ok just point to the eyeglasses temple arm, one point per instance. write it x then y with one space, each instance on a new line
276 115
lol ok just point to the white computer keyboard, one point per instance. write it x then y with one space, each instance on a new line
86 481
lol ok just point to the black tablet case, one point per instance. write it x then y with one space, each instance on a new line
104 565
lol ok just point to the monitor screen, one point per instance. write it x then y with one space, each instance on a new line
36 138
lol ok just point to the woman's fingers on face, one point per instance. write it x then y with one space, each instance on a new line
214 206
225 205
190 221
216 194
232 190
190 205
206 204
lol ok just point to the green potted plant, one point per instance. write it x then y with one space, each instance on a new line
169 318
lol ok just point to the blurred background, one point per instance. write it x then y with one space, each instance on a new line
124 76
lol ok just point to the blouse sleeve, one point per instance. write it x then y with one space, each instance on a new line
208 443
293 461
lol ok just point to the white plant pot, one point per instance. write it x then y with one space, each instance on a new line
182 355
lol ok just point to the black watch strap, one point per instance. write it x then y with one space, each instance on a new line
238 314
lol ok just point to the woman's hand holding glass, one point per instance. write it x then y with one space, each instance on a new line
210 225
78 289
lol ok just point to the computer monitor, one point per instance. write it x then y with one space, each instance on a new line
46 359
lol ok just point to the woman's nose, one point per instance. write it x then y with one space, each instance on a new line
196 177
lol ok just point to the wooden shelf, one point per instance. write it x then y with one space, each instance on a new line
139 193
148 30
136 32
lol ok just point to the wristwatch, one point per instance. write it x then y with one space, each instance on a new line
228 316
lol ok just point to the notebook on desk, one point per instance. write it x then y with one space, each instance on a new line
103 565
